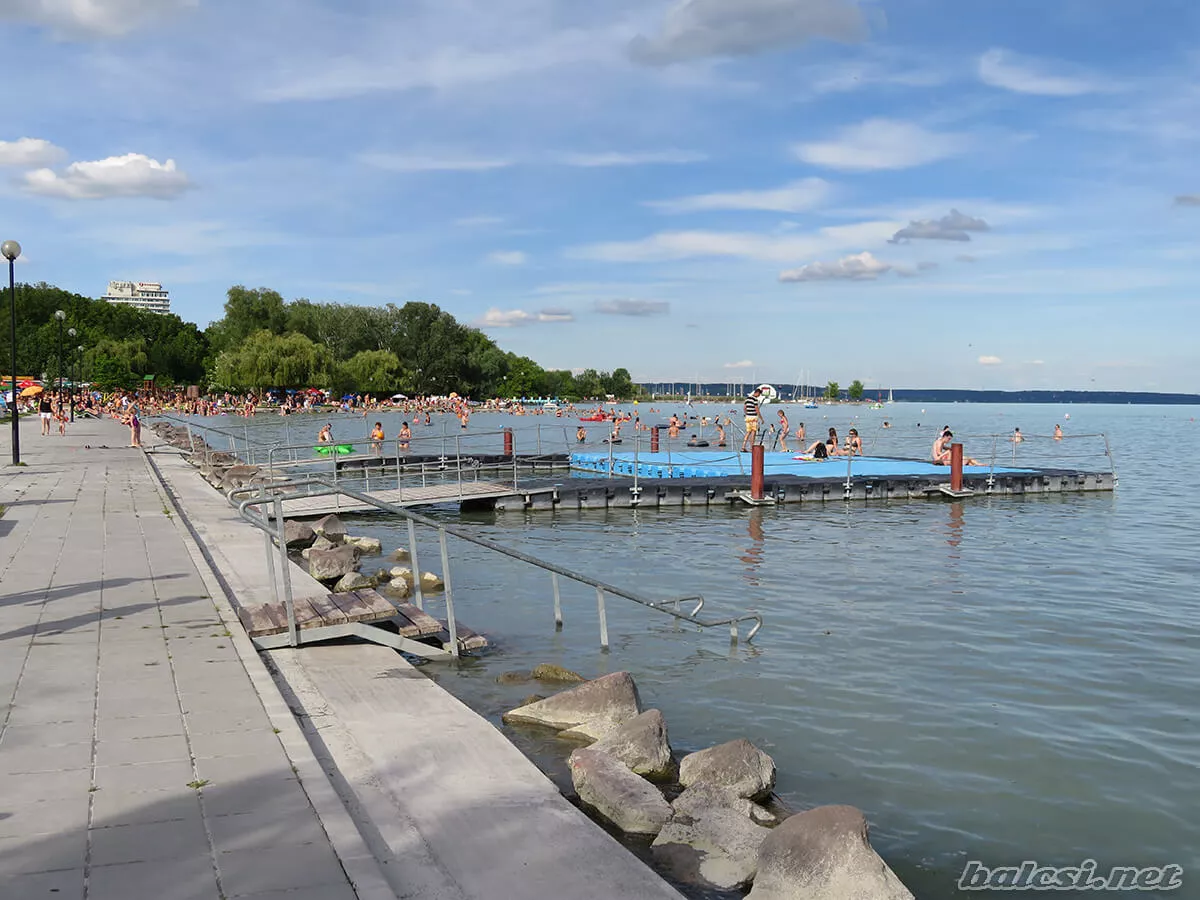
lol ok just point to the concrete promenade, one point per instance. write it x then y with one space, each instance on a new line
137 760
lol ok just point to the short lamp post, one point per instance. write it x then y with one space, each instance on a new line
71 334
61 316
11 250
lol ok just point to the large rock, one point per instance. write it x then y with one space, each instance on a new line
402 573
353 581
628 801
552 673
824 854
298 534
591 710
330 565
642 746
397 589
320 542
431 583
238 477
400 555
331 528
738 765
712 838
367 546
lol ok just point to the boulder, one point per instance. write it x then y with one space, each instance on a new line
431 583
320 542
512 678
353 581
711 838
553 673
398 589
367 546
298 534
401 573
532 698
628 801
238 476
592 709
824 854
738 765
400 555
331 528
641 745
330 565
382 575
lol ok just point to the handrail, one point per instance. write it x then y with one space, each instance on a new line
331 488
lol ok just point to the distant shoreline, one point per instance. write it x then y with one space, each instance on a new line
941 395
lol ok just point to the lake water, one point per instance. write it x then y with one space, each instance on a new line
998 679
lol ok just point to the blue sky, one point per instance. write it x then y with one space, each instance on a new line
917 193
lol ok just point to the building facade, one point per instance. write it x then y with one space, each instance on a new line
147 295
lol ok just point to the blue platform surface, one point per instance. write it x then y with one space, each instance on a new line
724 464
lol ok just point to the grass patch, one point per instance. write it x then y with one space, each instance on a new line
199 783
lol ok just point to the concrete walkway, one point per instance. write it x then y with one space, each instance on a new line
137 759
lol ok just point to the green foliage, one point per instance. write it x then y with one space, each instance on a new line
148 343
265 360
832 391
110 373
376 372
855 391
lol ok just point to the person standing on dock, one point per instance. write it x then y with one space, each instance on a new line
752 409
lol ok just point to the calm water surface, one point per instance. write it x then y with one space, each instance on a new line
999 679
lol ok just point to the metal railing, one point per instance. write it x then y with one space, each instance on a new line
672 606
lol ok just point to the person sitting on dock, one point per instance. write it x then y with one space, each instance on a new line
405 436
944 458
752 410
854 443
325 436
821 450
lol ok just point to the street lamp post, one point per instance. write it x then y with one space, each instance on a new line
71 334
78 369
60 315
11 250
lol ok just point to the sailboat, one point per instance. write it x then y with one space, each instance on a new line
891 399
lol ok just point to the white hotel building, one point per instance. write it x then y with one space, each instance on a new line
147 295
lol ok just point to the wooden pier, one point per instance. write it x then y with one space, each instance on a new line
429 495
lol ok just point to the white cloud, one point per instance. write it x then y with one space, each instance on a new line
795 197
611 159
990 361
91 18
952 227
29 152
741 364
882 144
675 245
508 258
637 308
394 162
511 318
479 221
857 267
695 29
131 175
1004 69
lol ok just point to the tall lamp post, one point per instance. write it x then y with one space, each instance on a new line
78 371
11 250
61 316
71 334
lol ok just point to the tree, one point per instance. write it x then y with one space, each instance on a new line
375 372
855 391
832 391
110 373
265 360
247 311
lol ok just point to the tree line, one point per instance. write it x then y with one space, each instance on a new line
264 342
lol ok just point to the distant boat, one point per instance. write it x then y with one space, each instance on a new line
550 406
891 399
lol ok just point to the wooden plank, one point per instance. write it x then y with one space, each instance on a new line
328 610
306 615
467 639
261 620
423 624
358 609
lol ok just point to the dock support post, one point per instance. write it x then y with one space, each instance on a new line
558 622
451 625
287 575
508 442
603 618
956 467
757 461
654 439
418 597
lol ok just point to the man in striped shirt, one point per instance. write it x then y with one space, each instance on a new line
753 417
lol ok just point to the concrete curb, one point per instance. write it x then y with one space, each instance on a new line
356 858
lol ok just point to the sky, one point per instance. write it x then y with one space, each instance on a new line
1000 194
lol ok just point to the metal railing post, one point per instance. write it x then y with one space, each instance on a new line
418 597
287 575
458 463
603 618
270 544
451 626
849 470
610 455
558 619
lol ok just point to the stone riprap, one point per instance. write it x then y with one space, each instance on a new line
591 710
712 838
641 744
627 800
737 765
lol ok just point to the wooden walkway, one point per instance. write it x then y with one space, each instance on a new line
429 495
337 614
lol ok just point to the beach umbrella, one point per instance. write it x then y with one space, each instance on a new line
25 384
31 391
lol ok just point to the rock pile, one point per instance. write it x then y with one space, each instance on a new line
714 833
